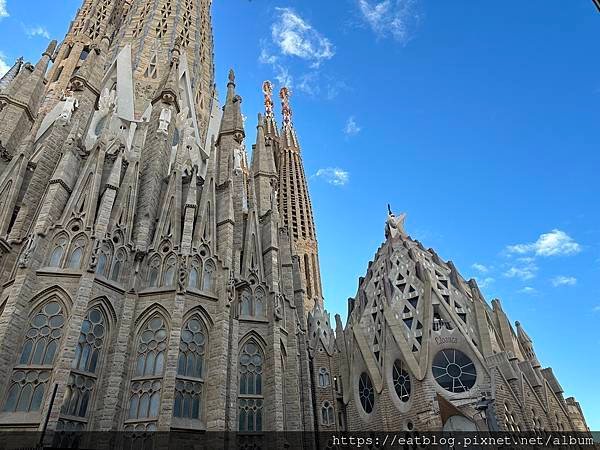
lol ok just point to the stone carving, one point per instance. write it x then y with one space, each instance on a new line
164 121
238 156
107 102
182 278
69 106
94 257
278 308
395 224
230 289
4 153
29 249
286 110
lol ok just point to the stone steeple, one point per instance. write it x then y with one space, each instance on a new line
11 74
295 206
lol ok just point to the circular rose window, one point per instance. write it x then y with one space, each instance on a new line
454 371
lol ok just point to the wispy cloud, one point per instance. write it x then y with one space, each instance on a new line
596 309
485 283
36 31
525 269
3 9
4 67
296 37
334 176
480 268
393 18
562 280
554 243
351 128
528 290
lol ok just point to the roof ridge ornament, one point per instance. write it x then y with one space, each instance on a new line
394 225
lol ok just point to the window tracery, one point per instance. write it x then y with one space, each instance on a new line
189 383
401 380
146 381
250 398
327 414
32 372
366 393
252 302
324 379
84 368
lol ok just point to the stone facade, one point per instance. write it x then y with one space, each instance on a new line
152 277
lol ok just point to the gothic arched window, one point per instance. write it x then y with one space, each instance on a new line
207 276
85 366
154 271
401 380
327 414
29 377
323 377
246 302
194 279
58 250
169 276
104 255
76 254
146 382
250 398
117 265
259 303
190 370
366 393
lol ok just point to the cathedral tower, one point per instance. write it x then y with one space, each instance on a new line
294 200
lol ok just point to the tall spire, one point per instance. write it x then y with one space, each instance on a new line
295 207
11 74
270 123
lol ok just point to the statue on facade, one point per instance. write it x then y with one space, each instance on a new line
69 106
164 121
238 156
29 249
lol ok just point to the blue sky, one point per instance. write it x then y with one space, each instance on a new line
478 119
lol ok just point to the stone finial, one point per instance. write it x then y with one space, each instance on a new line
231 76
286 110
267 88
50 49
394 226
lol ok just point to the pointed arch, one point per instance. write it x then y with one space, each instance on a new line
191 369
151 343
154 267
41 342
104 258
76 251
58 249
170 269
117 265
208 275
250 381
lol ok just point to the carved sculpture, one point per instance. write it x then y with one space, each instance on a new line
395 224
164 121
69 106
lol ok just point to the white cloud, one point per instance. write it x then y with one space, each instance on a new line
394 18
4 67
283 76
554 243
296 37
3 9
351 127
36 31
484 283
528 290
562 280
596 309
480 268
334 175
525 269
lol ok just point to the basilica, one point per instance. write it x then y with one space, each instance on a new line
159 266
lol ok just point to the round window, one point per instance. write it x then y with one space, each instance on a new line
454 371
366 392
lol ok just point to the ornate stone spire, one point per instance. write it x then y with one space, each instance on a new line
11 74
